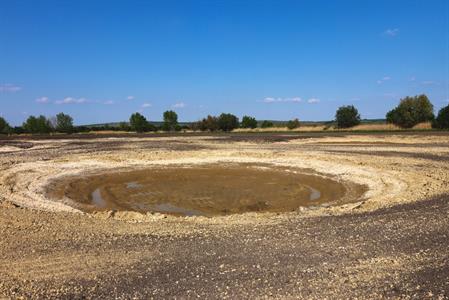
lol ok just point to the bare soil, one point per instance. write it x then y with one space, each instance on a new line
391 244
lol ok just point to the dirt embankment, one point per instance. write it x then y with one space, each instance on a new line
393 242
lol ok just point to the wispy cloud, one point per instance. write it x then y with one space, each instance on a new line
130 98
71 100
42 100
280 100
391 32
313 100
385 78
108 102
146 105
429 82
413 78
9 88
179 105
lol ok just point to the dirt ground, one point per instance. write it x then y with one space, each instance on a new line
392 243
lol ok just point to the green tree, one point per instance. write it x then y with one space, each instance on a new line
411 111
64 123
4 126
170 121
293 124
347 116
37 125
442 119
249 122
228 122
138 123
267 124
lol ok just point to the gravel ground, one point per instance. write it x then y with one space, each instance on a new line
393 244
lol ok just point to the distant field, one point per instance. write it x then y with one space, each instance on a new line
371 126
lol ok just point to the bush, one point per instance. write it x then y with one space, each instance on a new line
442 119
249 122
292 124
4 126
37 125
347 116
170 121
139 123
228 122
411 111
267 124
209 123
64 123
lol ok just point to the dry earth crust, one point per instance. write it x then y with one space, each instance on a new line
392 242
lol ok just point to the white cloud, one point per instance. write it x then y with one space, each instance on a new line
108 102
385 78
145 105
179 105
42 100
130 98
313 100
280 100
9 88
71 100
391 32
413 78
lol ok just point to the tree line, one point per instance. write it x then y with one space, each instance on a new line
409 112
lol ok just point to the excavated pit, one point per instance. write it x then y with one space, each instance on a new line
203 190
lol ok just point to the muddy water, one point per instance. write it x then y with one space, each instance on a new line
202 190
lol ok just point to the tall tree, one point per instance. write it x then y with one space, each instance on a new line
138 122
228 122
64 123
170 121
37 125
442 119
411 111
248 122
4 126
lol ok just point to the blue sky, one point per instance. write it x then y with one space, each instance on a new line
102 60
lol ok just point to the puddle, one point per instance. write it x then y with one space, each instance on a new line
200 190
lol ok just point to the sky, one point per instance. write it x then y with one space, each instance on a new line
100 61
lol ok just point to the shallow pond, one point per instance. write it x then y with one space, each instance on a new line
199 190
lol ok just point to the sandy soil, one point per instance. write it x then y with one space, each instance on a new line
392 243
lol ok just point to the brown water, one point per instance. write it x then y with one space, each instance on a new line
200 190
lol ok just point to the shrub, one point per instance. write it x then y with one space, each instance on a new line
4 126
249 122
411 111
267 124
442 119
292 124
139 123
228 122
64 123
37 125
347 116
170 121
